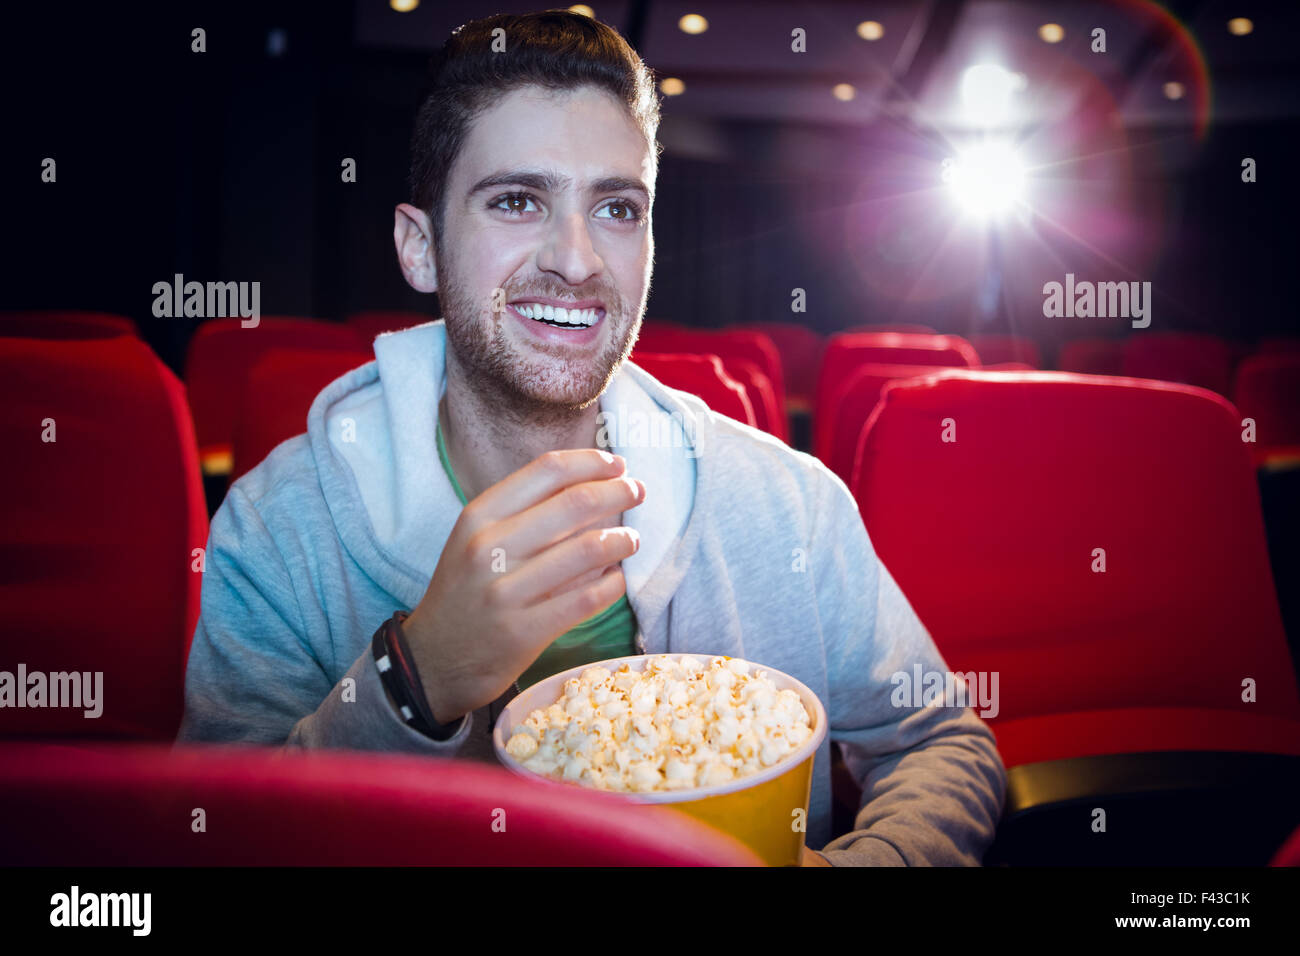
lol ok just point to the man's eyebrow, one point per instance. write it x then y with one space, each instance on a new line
619 184
551 182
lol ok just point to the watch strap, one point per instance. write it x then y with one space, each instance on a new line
401 679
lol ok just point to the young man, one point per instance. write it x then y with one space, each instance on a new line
463 475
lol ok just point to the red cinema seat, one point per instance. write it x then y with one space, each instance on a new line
727 344
908 328
135 806
1289 853
219 357
1268 390
278 393
1006 349
100 537
1192 359
1278 343
768 415
370 325
847 351
800 349
703 376
1092 356
995 537
64 324
837 432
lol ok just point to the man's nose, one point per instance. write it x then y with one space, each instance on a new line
568 251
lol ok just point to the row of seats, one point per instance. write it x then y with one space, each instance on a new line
856 366
152 805
135 805
1046 524
781 368
838 379
104 542
1015 509
120 417
1098 543
105 526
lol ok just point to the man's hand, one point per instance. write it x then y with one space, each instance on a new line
813 858
477 629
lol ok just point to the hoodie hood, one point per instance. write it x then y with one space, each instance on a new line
372 433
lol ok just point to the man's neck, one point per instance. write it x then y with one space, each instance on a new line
486 445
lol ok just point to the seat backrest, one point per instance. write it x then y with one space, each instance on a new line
725 343
768 415
703 376
221 353
278 392
369 325
800 349
1092 356
1288 854
910 328
64 324
849 350
997 498
836 433
133 806
104 515
1000 349
1190 358
1278 343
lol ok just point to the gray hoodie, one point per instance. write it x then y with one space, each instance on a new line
749 549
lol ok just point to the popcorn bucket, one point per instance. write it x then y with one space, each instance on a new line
759 810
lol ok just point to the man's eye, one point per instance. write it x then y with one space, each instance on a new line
514 203
621 211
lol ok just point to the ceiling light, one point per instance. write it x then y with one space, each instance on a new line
672 86
1051 32
1240 26
403 6
1174 90
870 30
693 23
844 92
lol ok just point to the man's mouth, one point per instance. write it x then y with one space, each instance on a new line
558 316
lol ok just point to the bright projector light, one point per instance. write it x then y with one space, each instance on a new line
986 180
987 90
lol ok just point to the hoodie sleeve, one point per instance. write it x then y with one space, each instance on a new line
254 674
933 783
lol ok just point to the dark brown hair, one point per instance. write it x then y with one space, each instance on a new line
557 50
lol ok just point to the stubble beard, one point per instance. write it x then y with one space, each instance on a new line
516 382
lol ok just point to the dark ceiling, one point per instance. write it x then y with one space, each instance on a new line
743 67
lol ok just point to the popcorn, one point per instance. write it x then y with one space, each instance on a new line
676 724
522 745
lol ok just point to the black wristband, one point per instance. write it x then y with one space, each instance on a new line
402 681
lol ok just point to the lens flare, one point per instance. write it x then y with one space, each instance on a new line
987 92
986 180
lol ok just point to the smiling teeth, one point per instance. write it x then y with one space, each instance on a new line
549 313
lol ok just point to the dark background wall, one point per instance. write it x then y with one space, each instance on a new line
225 166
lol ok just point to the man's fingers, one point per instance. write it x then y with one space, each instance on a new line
563 515
542 478
559 569
559 614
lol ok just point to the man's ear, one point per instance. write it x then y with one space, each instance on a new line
413 237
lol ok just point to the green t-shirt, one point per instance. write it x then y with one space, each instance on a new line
611 633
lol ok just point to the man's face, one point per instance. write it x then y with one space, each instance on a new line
548 203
